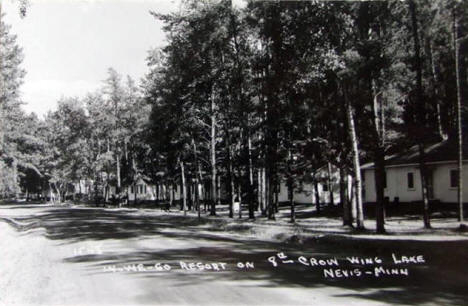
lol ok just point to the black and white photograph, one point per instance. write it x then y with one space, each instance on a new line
233 152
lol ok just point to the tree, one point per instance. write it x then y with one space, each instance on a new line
17 140
66 134
459 32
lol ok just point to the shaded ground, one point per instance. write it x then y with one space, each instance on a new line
87 242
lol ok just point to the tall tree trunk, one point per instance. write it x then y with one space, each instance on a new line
421 109
291 201
456 40
184 188
207 195
231 189
347 220
435 88
127 163
270 157
117 169
218 190
197 197
15 177
106 195
230 173
239 190
271 196
352 199
250 187
190 192
379 174
356 163
317 195
379 156
259 188
2 122
424 188
97 196
291 188
213 155
277 189
134 180
264 193
330 185
268 194
199 177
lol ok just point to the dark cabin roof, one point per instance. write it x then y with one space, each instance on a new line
443 151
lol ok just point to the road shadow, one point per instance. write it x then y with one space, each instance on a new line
441 279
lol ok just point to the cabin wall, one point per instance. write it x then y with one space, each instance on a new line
397 183
142 191
305 193
300 196
442 189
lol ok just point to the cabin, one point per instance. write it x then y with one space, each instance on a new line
141 190
403 180
328 187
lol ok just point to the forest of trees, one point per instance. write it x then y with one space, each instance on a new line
246 98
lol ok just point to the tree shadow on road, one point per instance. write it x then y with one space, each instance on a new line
442 279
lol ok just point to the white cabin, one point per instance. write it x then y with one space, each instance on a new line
141 190
305 194
403 179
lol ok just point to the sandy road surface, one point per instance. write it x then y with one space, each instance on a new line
58 256
33 271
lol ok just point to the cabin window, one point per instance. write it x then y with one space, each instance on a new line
410 180
453 178
144 189
325 187
132 190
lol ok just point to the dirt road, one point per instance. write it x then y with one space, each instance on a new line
84 256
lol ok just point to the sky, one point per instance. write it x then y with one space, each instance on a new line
68 45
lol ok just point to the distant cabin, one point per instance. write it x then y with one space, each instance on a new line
402 176
328 186
141 190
